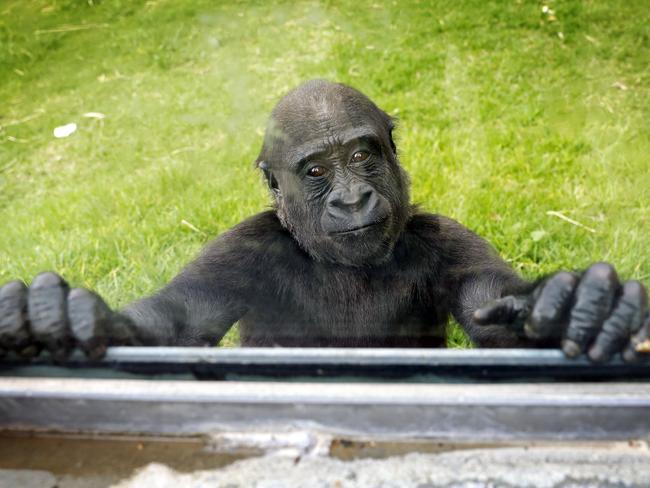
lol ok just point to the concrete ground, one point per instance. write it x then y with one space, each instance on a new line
615 465
510 467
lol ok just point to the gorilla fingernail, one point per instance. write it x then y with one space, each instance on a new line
598 355
571 348
643 347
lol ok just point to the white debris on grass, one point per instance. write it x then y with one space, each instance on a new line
65 130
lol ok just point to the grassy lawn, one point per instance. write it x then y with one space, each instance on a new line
508 111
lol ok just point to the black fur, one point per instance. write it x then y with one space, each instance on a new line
258 274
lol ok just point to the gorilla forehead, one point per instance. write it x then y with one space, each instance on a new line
321 112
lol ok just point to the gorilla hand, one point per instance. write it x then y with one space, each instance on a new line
591 313
49 315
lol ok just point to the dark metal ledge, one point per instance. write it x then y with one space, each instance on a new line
415 365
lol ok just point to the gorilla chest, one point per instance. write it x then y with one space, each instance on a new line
348 307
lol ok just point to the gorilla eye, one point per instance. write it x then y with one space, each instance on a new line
360 156
317 171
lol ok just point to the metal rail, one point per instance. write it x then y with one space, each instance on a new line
421 365
352 356
416 411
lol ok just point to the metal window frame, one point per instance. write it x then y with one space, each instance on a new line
375 403
433 411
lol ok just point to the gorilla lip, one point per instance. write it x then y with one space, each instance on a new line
358 229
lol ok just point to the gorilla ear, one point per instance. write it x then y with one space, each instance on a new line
392 142
390 126
270 179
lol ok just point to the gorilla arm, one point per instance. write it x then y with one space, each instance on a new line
196 308
590 312
201 303
473 276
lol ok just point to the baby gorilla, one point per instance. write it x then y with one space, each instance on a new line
343 259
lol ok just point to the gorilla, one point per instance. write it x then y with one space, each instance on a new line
342 260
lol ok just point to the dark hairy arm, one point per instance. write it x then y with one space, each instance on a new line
474 276
590 312
195 309
214 291
478 287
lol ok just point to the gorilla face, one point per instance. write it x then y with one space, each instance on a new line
330 160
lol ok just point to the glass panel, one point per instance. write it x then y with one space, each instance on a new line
128 135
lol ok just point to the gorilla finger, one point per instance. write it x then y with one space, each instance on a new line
639 347
626 319
89 319
14 333
511 311
46 303
594 298
551 307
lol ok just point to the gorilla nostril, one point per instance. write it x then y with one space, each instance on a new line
364 199
336 203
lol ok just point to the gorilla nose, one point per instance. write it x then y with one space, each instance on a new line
353 208
356 199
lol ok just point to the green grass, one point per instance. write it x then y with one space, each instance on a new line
505 114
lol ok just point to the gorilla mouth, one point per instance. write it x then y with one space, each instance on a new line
360 228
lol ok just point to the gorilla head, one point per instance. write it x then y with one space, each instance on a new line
331 163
